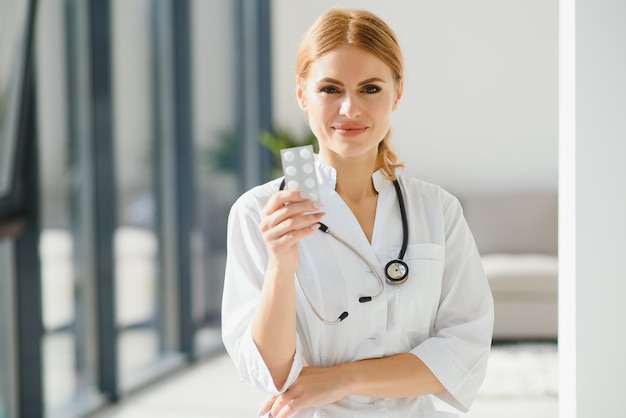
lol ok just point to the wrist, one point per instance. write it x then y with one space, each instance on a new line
347 378
281 268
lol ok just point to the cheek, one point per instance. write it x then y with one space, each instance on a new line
380 113
321 109
384 110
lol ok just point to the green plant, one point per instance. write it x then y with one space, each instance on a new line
281 138
222 155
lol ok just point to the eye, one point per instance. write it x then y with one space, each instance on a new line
329 89
371 89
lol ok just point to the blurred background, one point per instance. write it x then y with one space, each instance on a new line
129 127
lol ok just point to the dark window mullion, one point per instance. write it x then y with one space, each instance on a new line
28 307
104 194
81 203
163 116
264 62
254 81
28 273
184 171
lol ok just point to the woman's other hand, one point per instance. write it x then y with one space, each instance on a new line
315 386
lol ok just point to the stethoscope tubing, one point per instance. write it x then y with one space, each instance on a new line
381 283
405 221
399 261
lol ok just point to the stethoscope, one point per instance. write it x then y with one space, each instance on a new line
396 271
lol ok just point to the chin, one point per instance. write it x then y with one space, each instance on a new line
353 150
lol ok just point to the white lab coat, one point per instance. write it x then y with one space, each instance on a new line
443 314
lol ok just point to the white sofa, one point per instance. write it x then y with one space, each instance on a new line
516 235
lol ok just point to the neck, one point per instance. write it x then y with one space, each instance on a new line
355 187
354 177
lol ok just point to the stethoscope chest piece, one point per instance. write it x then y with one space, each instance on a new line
396 272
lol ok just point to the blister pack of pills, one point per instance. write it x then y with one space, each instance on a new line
299 170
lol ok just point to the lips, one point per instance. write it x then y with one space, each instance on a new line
349 129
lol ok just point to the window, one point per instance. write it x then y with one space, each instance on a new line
216 146
66 236
230 52
102 244
15 36
144 280
15 32
13 23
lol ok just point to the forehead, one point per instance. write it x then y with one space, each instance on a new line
349 62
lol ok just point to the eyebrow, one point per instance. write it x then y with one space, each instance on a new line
361 83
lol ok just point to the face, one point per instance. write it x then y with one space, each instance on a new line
349 96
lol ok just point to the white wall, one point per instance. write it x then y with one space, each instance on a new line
592 183
479 111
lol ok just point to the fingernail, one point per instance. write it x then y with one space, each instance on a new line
318 205
304 195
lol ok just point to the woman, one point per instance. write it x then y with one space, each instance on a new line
392 347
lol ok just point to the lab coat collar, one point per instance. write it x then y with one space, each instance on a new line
327 177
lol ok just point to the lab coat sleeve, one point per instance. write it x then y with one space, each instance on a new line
458 349
245 267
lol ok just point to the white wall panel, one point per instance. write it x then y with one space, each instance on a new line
479 112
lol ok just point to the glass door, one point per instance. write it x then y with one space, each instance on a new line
144 252
66 238
216 148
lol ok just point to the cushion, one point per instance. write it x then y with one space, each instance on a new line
513 223
519 275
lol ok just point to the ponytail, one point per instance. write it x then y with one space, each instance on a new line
387 158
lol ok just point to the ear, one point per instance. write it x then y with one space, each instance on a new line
399 91
301 95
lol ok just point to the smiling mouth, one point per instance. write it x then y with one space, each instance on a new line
349 130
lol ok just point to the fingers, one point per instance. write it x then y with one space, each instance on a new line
289 202
287 212
291 227
285 411
278 406
267 405
281 406
283 198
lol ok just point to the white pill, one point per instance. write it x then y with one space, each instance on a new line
291 170
292 184
313 197
307 168
289 155
310 183
305 153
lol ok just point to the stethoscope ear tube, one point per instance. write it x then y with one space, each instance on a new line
340 318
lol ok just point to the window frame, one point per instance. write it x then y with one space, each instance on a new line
12 201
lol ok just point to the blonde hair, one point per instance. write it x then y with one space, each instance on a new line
362 29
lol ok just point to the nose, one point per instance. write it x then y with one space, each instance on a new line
350 106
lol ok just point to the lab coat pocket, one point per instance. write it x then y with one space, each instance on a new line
418 298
